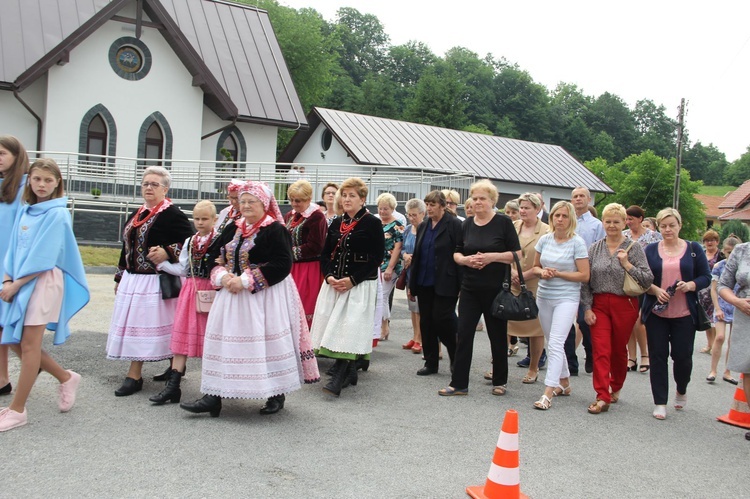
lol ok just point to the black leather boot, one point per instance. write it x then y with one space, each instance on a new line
129 387
331 370
337 379
351 374
362 364
171 392
273 404
165 375
209 403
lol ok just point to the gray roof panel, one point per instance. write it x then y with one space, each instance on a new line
381 141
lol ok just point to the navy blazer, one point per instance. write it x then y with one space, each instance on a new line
699 273
447 272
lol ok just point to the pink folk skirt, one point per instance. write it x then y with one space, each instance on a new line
308 279
189 326
46 299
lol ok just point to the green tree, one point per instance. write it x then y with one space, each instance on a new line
379 97
658 132
524 102
647 180
609 113
364 43
477 77
705 163
439 100
737 228
405 65
739 170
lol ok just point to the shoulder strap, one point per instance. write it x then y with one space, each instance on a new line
506 282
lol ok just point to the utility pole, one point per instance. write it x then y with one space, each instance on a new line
680 127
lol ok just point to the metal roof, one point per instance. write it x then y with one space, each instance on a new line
370 140
737 198
230 49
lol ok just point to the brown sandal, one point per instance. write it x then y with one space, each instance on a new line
595 408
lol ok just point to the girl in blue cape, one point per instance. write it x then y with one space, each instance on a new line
43 287
14 163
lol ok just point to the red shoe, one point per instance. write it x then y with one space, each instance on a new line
417 348
407 346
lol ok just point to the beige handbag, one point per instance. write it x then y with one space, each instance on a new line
630 286
203 298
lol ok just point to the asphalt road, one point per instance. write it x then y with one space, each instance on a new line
390 436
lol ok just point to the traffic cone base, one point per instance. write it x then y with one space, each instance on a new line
739 411
477 492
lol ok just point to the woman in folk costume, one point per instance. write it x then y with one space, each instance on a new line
232 212
308 226
141 328
257 343
346 311
198 257
44 286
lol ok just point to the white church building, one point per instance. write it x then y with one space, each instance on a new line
120 84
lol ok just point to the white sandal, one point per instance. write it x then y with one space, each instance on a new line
660 412
543 403
680 401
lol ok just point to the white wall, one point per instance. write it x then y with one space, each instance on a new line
88 80
16 120
311 151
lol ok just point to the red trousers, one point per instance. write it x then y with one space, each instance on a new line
615 318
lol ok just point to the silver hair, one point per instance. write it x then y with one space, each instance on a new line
416 203
161 171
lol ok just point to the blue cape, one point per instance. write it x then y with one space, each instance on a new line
42 238
8 212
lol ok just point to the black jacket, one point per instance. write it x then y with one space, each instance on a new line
359 254
447 272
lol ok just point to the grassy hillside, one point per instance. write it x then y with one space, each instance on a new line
716 190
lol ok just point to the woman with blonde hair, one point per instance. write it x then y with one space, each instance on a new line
390 268
608 311
307 226
562 264
530 229
452 200
670 310
487 247
512 209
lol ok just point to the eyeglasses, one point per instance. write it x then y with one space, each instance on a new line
247 202
153 185
329 193
451 203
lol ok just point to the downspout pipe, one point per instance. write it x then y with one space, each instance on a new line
38 119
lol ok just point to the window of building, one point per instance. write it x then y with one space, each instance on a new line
154 146
155 142
326 139
97 137
230 147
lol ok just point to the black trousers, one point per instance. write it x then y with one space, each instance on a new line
570 341
679 334
471 306
438 323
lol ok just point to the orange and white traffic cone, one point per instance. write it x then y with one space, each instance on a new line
503 479
739 412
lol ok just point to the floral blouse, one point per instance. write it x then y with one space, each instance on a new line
393 233
648 237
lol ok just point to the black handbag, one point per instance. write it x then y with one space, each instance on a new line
510 307
170 286
704 322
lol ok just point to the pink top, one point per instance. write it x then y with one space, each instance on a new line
670 274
